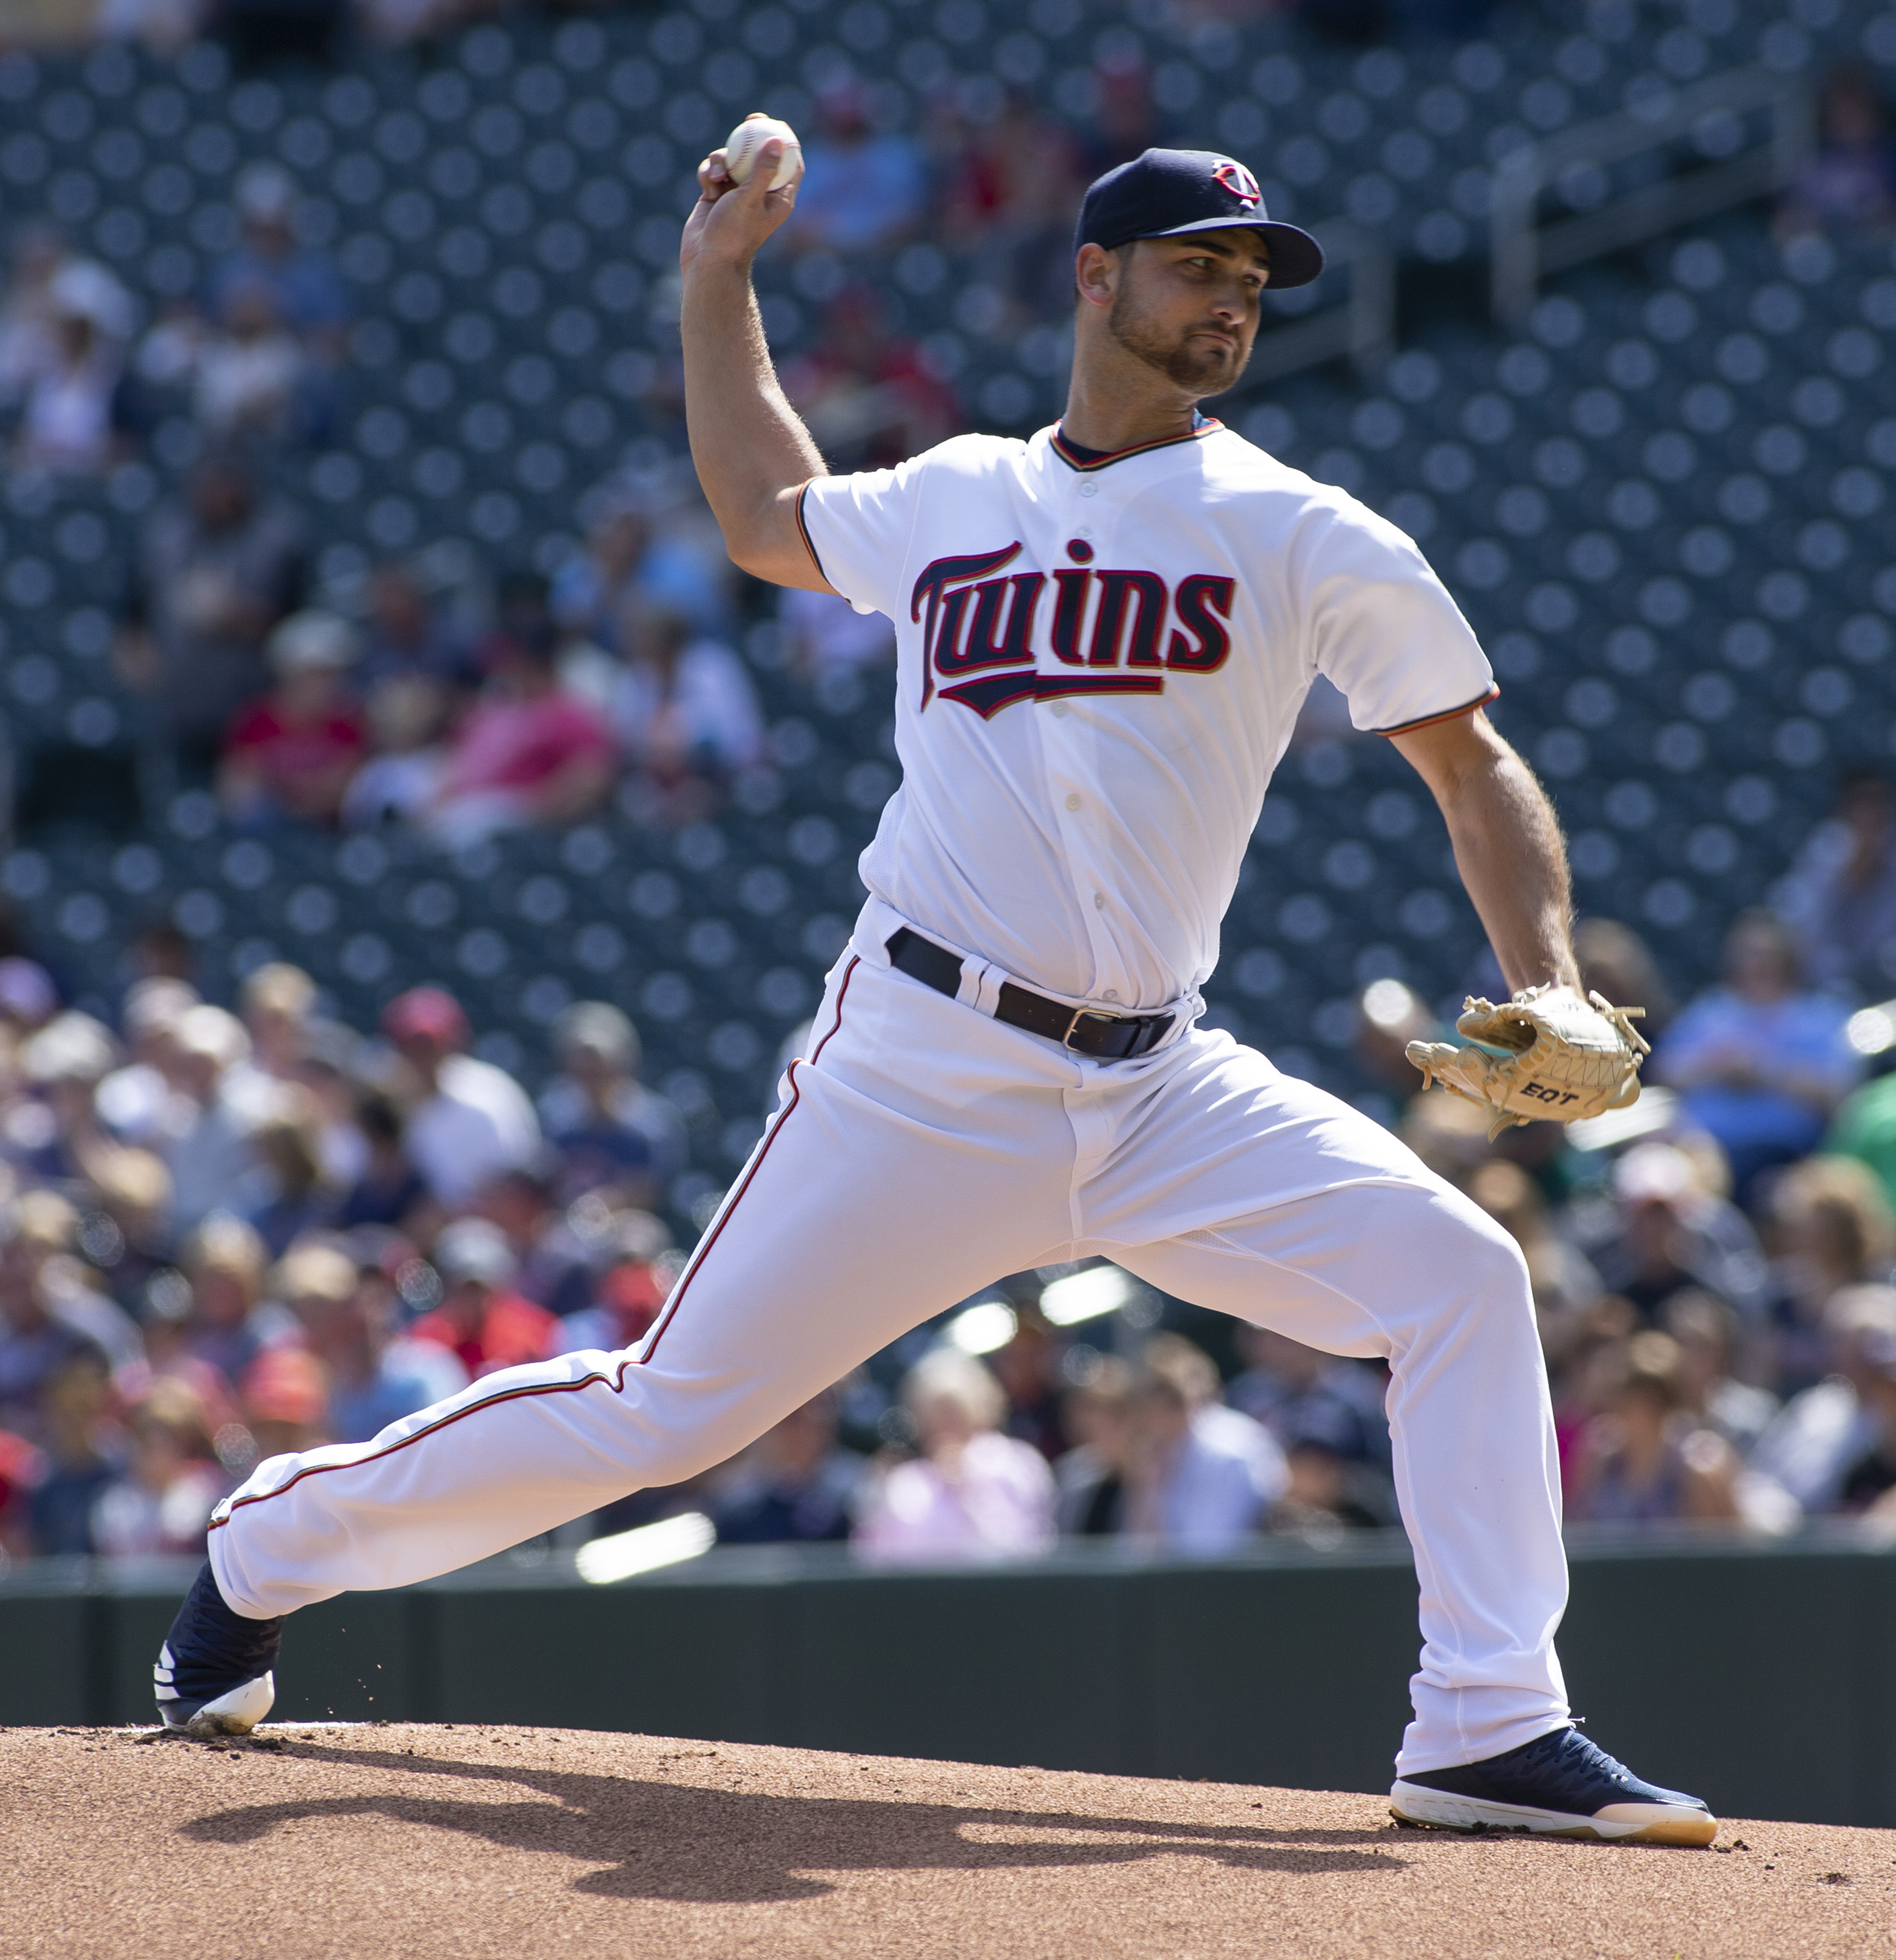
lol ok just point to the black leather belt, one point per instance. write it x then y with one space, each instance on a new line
1103 1037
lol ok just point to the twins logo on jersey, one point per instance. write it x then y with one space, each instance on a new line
1112 632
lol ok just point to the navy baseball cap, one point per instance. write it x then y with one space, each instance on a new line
1166 192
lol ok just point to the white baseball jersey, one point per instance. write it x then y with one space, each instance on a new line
1100 663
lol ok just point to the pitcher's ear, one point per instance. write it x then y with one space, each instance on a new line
1096 274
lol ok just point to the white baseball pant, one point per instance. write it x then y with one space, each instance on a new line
923 1150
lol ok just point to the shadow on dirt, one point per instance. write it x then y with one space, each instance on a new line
653 1840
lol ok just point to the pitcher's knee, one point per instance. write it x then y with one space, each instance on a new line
1489 1265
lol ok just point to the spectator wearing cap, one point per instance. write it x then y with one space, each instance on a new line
306 293
210 1151
481 1320
1760 1061
214 574
472 1121
375 1375
28 335
58 1136
79 417
795 1485
290 755
285 1396
614 1135
1202 1474
143 1102
972 1494
1666 1230
527 752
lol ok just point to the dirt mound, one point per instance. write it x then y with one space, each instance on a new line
437 1842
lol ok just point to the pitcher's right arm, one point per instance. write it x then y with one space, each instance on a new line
753 453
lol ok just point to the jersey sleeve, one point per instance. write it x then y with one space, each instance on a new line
1385 630
857 530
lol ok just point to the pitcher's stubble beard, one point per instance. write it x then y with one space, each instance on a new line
1202 370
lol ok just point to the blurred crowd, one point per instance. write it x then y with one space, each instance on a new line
225 1235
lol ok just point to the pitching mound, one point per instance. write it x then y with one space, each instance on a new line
437 1842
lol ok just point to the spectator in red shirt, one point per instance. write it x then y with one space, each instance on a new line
527 752
485 1323
291 753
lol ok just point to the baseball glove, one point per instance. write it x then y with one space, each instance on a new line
1545 1054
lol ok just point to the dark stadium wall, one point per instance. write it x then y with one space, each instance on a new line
1757 1675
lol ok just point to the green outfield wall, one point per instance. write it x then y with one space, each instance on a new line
1762 1675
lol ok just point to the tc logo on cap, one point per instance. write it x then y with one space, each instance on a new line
1237 180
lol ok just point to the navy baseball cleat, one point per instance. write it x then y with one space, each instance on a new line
1560 1785
213 1676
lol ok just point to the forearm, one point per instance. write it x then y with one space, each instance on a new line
1512 860
752 454
749 444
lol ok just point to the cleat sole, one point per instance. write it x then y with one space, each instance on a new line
1418 1807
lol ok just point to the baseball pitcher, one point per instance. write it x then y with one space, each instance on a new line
1105 635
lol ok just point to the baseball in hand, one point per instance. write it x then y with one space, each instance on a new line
741 146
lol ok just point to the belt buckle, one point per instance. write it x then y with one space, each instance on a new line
1083 1014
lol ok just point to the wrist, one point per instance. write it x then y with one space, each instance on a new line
718 267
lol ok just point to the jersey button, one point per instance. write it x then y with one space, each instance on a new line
1073 803
1099 902
1059 709
1089 489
